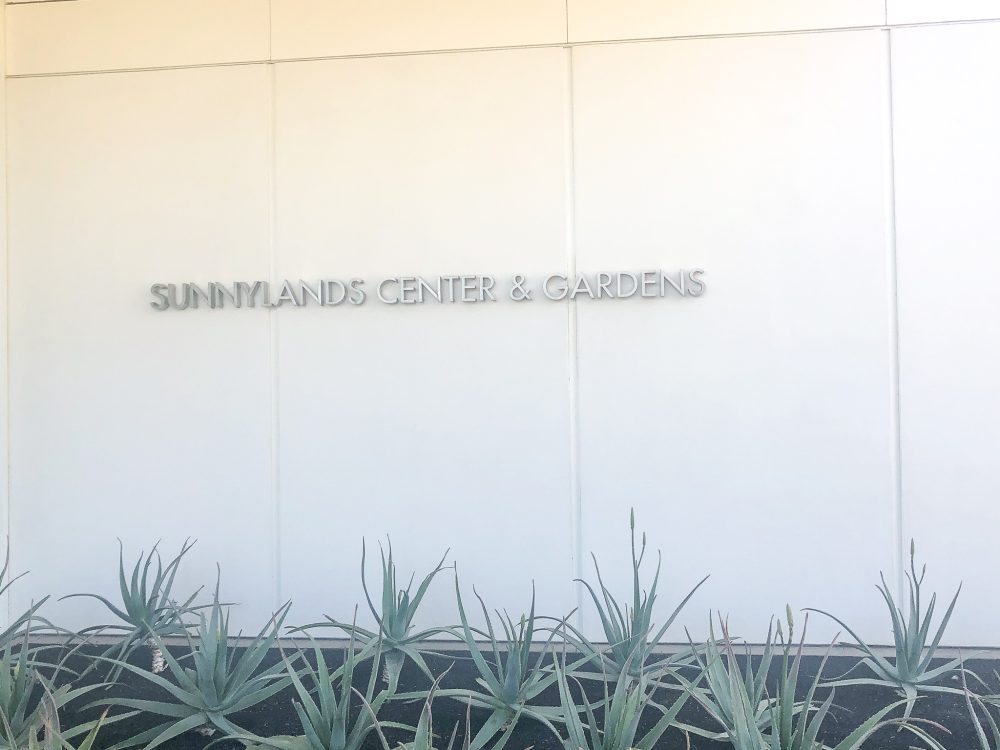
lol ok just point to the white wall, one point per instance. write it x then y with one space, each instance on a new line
830 396
442 426
948 181
128 424
4 405
768 405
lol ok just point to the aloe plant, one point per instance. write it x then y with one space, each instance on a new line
977 707
423 735
28 703
629 630
54 738
510 679
737 698
147 610
616 725
222 680
396 638
982 719
19 622
911 671
733 696
324 705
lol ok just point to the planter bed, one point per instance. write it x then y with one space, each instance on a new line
276 716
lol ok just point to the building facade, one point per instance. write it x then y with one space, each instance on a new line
828 171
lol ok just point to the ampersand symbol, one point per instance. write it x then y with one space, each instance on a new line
518 293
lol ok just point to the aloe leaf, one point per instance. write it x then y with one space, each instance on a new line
677 610
477 657
666 721
859 643
259 695
161 708
103 600
867 728
490 728
940 631
180 693
143 737
177 729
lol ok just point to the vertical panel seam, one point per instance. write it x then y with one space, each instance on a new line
889 172
6 612
273 341
573 363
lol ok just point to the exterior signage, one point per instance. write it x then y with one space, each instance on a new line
415 290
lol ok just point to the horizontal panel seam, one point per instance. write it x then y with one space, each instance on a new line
460 50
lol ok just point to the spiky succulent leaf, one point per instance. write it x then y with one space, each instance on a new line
223 679
394 617
629 630
909 672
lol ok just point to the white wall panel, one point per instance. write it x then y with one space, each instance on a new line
750 428
591 20
4 393
947 188
924 11
439 425
315 28
127 422
51 37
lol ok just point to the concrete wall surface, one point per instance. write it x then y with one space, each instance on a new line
833 166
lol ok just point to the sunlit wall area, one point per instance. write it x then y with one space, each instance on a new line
832 166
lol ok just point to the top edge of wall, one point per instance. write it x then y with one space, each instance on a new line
610 20
71 36
89 35
97 35
900 12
